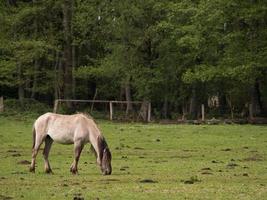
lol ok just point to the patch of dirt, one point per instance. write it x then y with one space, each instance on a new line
11 151
16 155
112 179
78 198
216 161
255 157
24 162
206 168
148 181
18 173
232 165
138 148
141 157
161 161
227 149
207 173
190 150
2 197
192 180
182 156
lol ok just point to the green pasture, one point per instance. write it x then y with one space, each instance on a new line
150 161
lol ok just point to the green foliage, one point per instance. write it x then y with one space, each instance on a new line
26 111
161 49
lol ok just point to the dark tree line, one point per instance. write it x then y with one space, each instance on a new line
176 54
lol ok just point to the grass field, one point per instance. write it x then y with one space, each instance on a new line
149 162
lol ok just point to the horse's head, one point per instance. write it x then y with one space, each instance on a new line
103 155
106 162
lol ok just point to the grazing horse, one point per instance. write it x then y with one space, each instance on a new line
77 129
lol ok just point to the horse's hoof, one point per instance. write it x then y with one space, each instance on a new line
48 171
32 170
73 171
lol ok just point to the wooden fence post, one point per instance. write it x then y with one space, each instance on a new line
203 112
110 110
1 104
149 112
55 106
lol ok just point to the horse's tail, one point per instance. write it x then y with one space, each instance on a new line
33 136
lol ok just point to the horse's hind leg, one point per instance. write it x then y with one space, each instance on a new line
78 146
38 141
48 144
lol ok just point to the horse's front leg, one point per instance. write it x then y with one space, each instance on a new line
78 146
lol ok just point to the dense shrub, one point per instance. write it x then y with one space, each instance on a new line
30 108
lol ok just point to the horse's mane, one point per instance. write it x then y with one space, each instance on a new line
102 144
87 115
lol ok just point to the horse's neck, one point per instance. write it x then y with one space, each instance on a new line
97 140
98 147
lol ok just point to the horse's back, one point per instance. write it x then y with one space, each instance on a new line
64 128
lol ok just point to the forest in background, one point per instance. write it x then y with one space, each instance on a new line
176 54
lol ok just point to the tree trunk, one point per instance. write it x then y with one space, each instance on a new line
121 97
21 91
256 99
193 104
222 103
73 71
67 54
128 97
165 107
144 110
12 2
35 76
36 68
57 68
184 111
